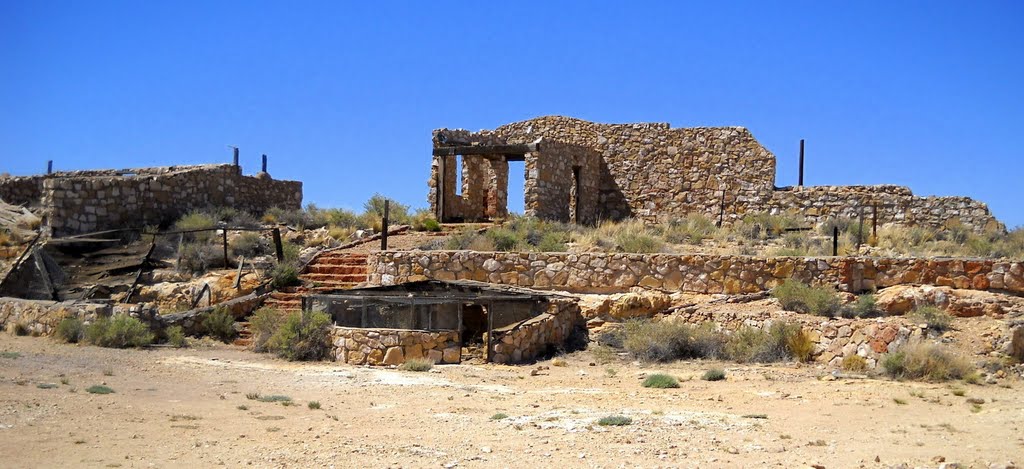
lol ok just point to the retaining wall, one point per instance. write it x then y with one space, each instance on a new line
357 346
534 337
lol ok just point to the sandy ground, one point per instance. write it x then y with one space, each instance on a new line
189 407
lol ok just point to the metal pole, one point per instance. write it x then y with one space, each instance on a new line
721 211
801 184
835 240
264 163
235 155
860 230
224 232
874 222
49 167
384 227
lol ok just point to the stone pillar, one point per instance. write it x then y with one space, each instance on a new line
497 191
532 198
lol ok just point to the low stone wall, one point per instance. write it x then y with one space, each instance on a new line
536 336
191 321
41 317
709 274
21 190
95 200
357 346
895 204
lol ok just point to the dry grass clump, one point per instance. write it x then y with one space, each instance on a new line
955 240
663 341
780 342
854 363
935 318
926 361
693 228
802 298
417 364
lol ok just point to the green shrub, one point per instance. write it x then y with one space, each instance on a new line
70 330
99 389
925 361
714 374
196 220
119 332
662 341
398 214
854 363
935 318
263 324
865 306
220 324
660 381
313 405
417 364
423 220
802 298
633 242
781 341
614 421
431 225
198 257
249 244
504 239
499 416
274 398
303 336
284 274
176 336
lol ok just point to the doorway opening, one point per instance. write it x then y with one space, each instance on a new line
516 201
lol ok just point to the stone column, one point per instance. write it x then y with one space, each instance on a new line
497 191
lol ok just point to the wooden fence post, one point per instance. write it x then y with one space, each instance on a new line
278 248
384 227
835 240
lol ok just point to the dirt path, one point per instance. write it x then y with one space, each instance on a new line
174 408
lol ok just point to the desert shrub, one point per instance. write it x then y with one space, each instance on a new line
302 336
865 306
417 364
663 341
398 214
802 298
423 220
855 363
198 257
431 224
504 239
499 416
176 336
637 242
220 324
763 225
714 374
284 274
614 421
19 328
249 244
70 330
660 381
780 342
313 405
691 229
925 361
119 332
274 398
469 239
935 318
846 225
907 240
263 324
196 220
978 246
99 389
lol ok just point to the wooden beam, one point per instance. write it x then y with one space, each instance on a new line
487 149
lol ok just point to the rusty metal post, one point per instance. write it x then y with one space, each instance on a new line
874 222
49 167
264 163
278 248
835 240
384 227
721 211
860 229
801 183
224 233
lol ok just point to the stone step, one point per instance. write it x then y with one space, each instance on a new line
320 278
336 269
340 261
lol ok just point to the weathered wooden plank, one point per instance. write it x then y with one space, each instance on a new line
519 149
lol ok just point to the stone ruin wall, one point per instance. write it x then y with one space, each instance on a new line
550 183
655 173
41 317
537 336
706 274
86 201
357 346
21 190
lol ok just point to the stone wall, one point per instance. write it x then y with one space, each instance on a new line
357 346
534 337
608 272
21 190
41 317
85 201
895 205
552 174
656 173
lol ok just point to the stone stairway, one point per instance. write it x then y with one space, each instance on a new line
330 270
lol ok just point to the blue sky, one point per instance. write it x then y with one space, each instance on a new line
343 95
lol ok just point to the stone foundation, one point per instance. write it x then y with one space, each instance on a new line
537 336
708 274
357 346
42 317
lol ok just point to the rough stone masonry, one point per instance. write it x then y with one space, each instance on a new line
583 171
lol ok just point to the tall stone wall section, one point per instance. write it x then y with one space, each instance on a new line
91 201
653 172
709 274
551 178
